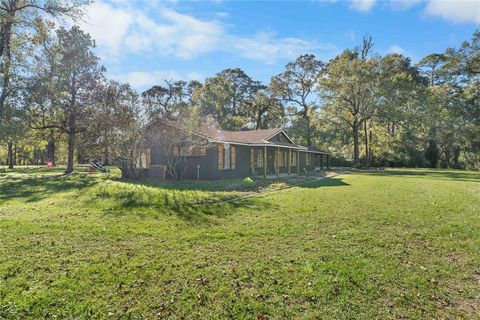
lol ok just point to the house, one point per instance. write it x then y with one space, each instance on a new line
233 154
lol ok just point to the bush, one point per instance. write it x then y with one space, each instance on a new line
248 183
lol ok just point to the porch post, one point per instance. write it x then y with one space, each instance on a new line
277 158
298 162
252 160
321 161
289 158
265 162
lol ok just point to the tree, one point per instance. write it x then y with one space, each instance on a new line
265 110
180 139
228 96
132 137
349 89
112 115
454 102
20 18
296 87
75 75
166 101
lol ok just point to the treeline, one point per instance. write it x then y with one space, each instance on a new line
56 103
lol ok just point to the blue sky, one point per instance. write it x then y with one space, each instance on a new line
143 42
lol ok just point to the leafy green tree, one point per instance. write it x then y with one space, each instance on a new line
167 101
74 75
21 20
349 90
229 97
112 114
265 110
296 86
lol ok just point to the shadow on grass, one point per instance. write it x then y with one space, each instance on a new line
235 184
197 207
330 182
457 175
35 188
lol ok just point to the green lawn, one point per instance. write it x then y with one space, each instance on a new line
398 244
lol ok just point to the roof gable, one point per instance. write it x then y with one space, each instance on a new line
281 137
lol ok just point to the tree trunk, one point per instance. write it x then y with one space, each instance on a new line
367 151
71 150
258 121
308 135
456 156
51 148
10 155
371 157
71 140
6 65
105 157
14 155
356 148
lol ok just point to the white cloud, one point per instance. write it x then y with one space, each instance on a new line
362 5
145 79
266 48
107 25
455 10
396 49
121 29
404 4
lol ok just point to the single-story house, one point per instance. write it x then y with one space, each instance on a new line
233 154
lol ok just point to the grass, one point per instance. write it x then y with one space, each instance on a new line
394 244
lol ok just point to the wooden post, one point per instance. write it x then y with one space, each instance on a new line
289 159
321 161
278 161
265 162
298 162
252 160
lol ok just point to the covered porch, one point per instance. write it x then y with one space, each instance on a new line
283 161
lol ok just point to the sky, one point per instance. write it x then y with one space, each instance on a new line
144 42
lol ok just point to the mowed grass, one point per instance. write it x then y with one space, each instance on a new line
398 244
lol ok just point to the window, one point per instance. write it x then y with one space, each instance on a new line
145 158
226 157
293 156
258 158
307 159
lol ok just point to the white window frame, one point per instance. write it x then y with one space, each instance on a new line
260 161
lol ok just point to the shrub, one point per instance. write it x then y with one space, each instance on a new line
248 183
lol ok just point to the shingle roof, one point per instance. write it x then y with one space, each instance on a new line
255 137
